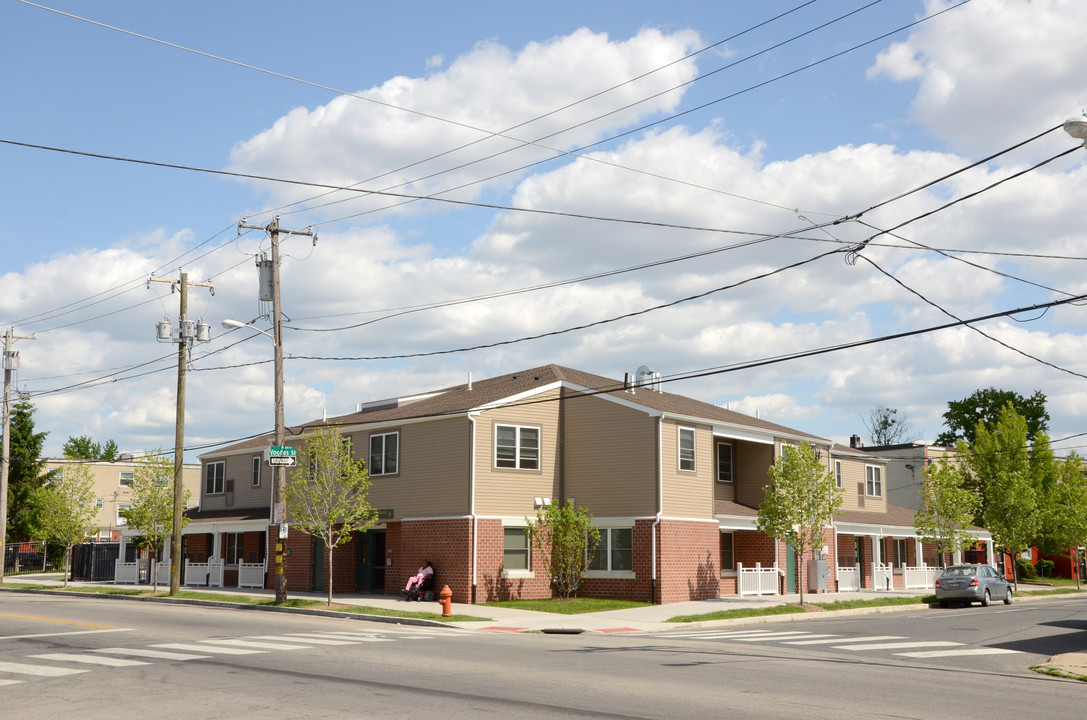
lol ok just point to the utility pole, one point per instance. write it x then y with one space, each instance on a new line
11 362
187 332
272 293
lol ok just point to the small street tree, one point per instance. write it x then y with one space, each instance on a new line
1066 516
67 510
152 511
800 503
568 533
326 493
947 509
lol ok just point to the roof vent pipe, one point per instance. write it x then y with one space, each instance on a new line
469 381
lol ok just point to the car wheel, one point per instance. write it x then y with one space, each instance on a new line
1008 596
986 601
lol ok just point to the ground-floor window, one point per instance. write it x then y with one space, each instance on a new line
900 553
728 558
515 549
233 548
615 552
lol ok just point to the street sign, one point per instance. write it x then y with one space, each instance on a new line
281 455
283 531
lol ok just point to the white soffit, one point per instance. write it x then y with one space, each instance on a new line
743 434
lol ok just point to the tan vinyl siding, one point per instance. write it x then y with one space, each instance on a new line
611 457
239 468
752 461
433 469
853 486
687 494
510 492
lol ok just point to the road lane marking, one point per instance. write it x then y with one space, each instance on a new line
61 622
154 654
956 653
898 645
89 659
43 670
234 642
60 634
215 650
870 638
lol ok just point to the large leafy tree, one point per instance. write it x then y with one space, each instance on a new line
84 448
948 508
152 510
326 494
887 426
1066 509
67 509
800 503
984 406
568 534
26 474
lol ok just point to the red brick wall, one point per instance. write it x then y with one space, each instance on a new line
689 561
447 543
490 583
640 588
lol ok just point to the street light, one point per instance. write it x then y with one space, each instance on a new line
280 486
1077 128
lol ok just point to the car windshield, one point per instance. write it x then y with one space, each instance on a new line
963 571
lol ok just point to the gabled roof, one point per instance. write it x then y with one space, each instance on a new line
461 399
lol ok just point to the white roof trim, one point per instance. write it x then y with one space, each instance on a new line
734 522
612 397
735 433
198 527
519 396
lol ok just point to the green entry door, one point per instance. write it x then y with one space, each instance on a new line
370 562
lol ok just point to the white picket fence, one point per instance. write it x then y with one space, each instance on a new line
126 572
920 577
251 575
758 580
849 579
208 574
883 577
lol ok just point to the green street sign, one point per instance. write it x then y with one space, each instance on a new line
281 455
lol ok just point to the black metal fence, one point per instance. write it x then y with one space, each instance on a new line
23 558
94 561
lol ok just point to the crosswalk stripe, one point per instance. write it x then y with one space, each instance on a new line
870 638
773 637
148 653
10 682
192 647
234 642
955 653
718 633
313 641
43 670
89 659
897 645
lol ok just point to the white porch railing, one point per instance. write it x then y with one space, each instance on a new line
920 577
849 579
883 577
208 573
251 574
126 572
758 580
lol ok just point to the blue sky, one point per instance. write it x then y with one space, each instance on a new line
792 115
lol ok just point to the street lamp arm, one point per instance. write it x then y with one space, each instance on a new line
237 324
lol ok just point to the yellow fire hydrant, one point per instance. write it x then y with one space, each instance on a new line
447 601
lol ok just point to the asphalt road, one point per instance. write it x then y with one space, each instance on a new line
99 658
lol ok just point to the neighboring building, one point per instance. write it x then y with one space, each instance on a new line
906 465
113 490
673 483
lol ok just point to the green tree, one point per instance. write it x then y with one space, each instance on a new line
326 494
568 534
152 510
948 508
67 509
84 448
886 426
800 503
26 474
1066 516
984 406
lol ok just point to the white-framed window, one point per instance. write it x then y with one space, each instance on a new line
515 549
517 446
838 474
99 503
615 553
233 545
728 557
385 453
257 462
126 478
120 514
873 481
724 462
900 553
214 473
686 449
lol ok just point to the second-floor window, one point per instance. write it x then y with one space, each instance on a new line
873 481
686 449
724 462
256 471
517 446
126 478
837 473
384 453
214 473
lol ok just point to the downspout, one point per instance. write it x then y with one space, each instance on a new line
660 506
472 501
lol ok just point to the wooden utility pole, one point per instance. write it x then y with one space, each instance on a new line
11 362
278 509
186 335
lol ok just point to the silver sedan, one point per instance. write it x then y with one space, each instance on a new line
970 584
